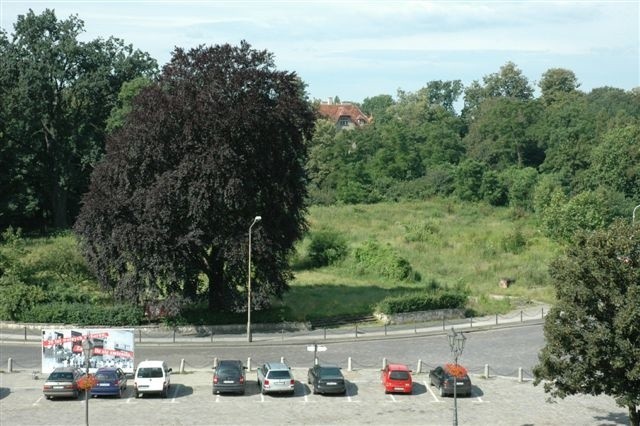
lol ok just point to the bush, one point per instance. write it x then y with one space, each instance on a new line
84 314
326 247
514 242
384 261
421 232
423 301
17 297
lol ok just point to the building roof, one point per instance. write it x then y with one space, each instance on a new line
334 112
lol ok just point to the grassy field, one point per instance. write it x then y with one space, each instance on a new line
448 243
456 244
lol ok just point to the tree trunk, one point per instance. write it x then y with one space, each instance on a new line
634 416
215 274
60 197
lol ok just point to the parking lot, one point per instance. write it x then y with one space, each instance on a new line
496 401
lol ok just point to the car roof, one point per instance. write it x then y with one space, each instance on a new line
230 361
329 366
401 367
277 366
151 364
64 369
107 369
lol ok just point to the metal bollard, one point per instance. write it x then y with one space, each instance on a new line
349 364
419 369
486 371
25 334
248 363
384 363
520 375
443 321
325 333
10 365
182 366
139 336
385 329
520 316
211 333
215 362
174 335
543 313
356 331
471 322
282 359
315 361
496 319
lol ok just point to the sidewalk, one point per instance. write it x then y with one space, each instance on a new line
203 334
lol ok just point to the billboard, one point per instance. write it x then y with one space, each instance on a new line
111 348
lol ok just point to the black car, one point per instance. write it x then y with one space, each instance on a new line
326 379
442 378
229 376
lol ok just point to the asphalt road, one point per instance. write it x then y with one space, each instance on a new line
503 349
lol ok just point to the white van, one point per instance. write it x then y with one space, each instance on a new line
152 377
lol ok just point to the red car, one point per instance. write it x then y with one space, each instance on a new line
396 378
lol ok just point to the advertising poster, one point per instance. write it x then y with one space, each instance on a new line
111 348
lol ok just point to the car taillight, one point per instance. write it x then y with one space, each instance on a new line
47 386
266 382
215 379
293 382
241 380
116 382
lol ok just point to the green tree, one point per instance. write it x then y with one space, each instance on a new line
128 92
593 331
377 107
556 81
219 139
509 82
502 133
56 94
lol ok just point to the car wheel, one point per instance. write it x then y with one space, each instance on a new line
315 390
76 394
119 392
137 395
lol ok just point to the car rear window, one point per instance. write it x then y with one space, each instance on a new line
399 375
330 371
105 376
61 376
227 370
279 374
148 373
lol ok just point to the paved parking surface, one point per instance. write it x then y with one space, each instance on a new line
494 401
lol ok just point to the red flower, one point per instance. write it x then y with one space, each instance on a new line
87 382
456 370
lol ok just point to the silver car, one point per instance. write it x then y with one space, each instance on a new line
63 382
275 377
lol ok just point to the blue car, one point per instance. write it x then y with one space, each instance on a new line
111 381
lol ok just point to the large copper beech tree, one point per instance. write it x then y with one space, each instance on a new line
593 331
218 139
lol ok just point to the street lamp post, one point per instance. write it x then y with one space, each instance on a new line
249 339
456 343
87 346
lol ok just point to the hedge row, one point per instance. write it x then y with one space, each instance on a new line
83 314
421 302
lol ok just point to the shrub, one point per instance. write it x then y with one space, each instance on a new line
423 301
84 314
384 261
17 297
421 232
514 242
326 247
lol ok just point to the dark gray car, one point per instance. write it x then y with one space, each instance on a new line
229 376
326 379
445 382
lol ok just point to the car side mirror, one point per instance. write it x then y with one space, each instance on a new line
170 370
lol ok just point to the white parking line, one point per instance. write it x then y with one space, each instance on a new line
261 397
431 392
217 397
175 393
39 399
479 399
393 398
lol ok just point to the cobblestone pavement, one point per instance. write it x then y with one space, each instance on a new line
494 401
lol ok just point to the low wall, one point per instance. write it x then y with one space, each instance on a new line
420 316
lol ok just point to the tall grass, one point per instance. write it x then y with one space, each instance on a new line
459 244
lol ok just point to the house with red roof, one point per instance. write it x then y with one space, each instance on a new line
345 115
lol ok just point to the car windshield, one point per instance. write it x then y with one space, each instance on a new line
279 374
399 375
150 372
330 371
59 375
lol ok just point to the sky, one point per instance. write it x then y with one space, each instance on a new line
360 49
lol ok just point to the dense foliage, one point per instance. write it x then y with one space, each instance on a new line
56 93
421 301
217 140
593 331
